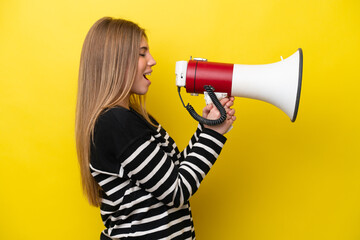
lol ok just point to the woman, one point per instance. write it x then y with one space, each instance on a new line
130 167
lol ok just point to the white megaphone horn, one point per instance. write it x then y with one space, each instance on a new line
276 83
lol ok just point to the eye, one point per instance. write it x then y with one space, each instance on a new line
143 55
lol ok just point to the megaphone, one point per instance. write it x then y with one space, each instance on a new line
276 83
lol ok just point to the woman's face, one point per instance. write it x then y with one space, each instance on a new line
146 61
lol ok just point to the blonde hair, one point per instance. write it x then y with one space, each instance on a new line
108 66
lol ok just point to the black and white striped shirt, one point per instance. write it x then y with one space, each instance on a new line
146 181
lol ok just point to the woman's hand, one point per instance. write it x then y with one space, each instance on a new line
211 112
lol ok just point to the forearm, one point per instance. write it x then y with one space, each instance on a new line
192 141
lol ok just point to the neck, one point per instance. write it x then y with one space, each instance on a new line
125 103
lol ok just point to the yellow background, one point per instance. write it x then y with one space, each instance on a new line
275 180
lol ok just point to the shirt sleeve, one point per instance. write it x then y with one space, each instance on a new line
152 169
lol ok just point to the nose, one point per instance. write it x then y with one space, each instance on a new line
151 61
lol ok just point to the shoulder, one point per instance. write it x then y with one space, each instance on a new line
121 124
120 120
116 129
116 115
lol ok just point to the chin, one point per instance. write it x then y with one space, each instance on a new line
141 91
141 86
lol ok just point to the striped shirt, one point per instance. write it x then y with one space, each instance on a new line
146 182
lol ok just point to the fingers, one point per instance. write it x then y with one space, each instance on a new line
224 101
227 102
231 118
230 112
228 106
211 112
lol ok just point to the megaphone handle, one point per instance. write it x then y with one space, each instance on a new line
218 95
217 104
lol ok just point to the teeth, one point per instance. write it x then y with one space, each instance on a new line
149 74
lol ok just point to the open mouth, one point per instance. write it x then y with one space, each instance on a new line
146 74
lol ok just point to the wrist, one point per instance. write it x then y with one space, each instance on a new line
214 129
214 133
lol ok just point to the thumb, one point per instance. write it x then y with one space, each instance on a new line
206 110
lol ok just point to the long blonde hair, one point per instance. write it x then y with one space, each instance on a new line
108 66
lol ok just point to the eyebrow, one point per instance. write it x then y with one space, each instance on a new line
145 48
